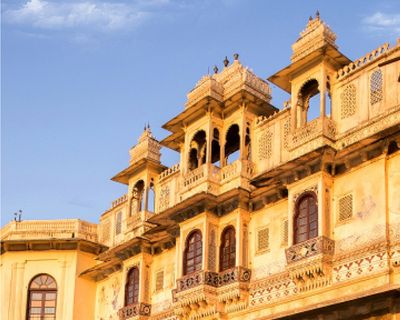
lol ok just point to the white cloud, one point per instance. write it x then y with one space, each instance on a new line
383 22
82 15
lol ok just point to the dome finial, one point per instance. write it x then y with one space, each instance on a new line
226 61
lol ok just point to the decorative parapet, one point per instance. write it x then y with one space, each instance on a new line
45 229
232 79
168 172
310 263
361 62
320 127
120 200
146 148
316 35
138 311
206 87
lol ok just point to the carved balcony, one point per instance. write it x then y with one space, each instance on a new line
135 311
233 289
310 263
137 224
313 134
236 174
204 294
204 178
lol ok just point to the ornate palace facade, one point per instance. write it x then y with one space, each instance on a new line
288 213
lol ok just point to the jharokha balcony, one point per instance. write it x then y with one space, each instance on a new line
310 262
136 310
215 180
209 293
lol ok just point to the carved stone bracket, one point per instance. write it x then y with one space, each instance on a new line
138 311
207 294
310 263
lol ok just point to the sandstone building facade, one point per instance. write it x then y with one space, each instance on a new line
287 213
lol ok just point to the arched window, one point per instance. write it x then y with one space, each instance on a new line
192 256
227 250
42 298
306 218
132 287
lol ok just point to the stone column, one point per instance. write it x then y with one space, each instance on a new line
322 91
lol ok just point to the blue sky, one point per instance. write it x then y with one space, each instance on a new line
81 77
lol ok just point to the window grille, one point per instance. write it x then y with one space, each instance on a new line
345 209
376 81
348 101
159 280
263 239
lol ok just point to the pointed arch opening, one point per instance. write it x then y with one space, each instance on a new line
137 200
232 144
215 148
42 298
308 102
151 198
198 150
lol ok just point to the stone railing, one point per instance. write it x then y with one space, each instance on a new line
237 168
310 248
134 310
138 218
168 172
213 279
120 200
353 66
318 127
203 173
44 229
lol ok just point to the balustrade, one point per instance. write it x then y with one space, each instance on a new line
41 229
316 128
120 200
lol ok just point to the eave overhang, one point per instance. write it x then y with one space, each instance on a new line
142 164
177 124
283 77
52 244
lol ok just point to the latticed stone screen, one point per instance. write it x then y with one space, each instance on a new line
105 231
348 101
284 233
159 280
263 239
265 145
286 128
376 81
345 208
118 223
